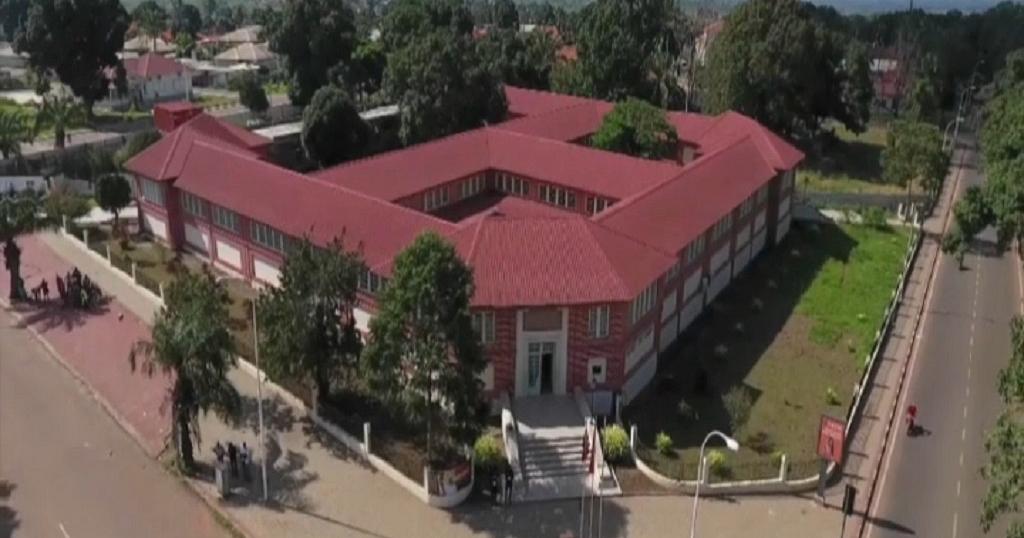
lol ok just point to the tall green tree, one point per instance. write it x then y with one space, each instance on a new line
307 330
637 128
151 19
19 214
1013 73
332 130
14 131
520 59
61 112
13 14
913 155
506 15
924 100
409 21
191 342
423 350
251 93
442 86
316 38
113 194
76 39
775 62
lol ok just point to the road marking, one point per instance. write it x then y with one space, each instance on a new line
965 412
956 519
958 488
963 434
63 531
968 390
961 458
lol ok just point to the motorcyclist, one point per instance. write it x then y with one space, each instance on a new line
911 418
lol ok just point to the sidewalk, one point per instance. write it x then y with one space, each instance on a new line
870 436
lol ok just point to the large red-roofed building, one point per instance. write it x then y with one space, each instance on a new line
587 264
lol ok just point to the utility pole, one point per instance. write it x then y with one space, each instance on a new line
259 402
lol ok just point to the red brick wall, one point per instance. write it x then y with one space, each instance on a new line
582 348
502 352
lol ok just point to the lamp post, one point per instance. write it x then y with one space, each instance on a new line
945 132
731 444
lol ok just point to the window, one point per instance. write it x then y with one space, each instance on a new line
435 198
598 321
722 227
762 194
596 204
192 204
225 218
643 303
512 185
483 324
746 207
267 236
596 370
674 270
153 192
558 196
472 186
371 282
695 249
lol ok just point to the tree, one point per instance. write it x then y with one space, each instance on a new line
185 44
637 128
307 330
775 62
151 19
251 94
61 112
506 16
442 86
924 102
62 204
972 212
191 342
13 14
520 59
409 21
1013 73
954 243
332 130
185 19
913 154
315 38
13 131
113 193
423 350
1005 469
76 39
19 214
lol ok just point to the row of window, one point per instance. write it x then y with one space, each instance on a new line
153 192
268 236
371 282
643 303
192 204
558 196
435 198
596 204
695 249
472 186
722 227
510 184
598 324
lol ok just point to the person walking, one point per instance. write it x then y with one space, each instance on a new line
507 493
245 455
233 459
46 290
218 451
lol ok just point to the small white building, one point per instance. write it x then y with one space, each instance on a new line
152 79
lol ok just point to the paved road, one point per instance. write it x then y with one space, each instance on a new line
67 470
930 483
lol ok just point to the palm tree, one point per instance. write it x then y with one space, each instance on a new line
19 214
191 342
62 112
13 131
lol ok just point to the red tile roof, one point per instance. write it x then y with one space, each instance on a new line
731 127
164 160
555 261
526 102
152 65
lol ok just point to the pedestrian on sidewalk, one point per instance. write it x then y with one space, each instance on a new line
233 459
62 291
245 456
46 290
218 451
507 493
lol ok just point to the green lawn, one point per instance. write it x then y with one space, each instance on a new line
852 165
214 101
800 321
276 88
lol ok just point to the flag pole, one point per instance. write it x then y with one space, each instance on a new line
259 402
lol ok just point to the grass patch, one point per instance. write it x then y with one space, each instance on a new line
760 364
214 101
276 88
852 163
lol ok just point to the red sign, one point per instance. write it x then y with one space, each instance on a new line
831 437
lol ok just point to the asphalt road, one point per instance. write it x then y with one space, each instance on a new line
67 470
930 483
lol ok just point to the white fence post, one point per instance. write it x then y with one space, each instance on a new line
85 236
160 286
783 469
110 260
703 472
632 437
134 271
64 223
366 437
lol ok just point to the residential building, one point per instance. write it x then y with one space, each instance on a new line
587 264
152 78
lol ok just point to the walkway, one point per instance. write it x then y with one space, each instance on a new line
319 489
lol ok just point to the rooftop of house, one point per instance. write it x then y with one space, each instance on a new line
522 252
152 65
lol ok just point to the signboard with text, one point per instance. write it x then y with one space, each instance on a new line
831 437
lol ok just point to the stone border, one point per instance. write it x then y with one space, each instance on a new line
420 491
782 484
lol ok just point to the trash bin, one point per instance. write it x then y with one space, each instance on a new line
222 479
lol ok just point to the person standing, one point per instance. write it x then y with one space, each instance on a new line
245 457
233 459
509 476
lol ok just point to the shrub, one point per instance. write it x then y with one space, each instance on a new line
831 397
759 442
663 442
738 402
717 464
616 443
875 218
488 453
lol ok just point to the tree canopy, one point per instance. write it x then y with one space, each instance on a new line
151 18
519 59
506 15
423 350
408 21
113 193
251 93
76 39
316 38
913 155
307 330
775 62
332 130
637 128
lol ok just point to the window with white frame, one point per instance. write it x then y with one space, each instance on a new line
596 204
597 370
152 192
435 198
510 184
722 227
192 204
762 194
599 321
746 207
674 270
267 236
483 324
472 186
643 303
224 218
695 249
558 196
371 282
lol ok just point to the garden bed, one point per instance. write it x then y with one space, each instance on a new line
783 345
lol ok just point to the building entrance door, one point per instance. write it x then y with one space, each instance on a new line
540 368
547 360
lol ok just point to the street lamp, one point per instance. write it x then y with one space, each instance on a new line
731 444
945 133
